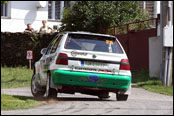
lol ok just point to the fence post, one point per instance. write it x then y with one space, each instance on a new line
114 30
157 19
127 28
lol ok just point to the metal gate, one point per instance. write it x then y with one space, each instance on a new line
135 40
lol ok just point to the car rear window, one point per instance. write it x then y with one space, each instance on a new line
92 43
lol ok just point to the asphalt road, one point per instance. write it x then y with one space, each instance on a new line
140 102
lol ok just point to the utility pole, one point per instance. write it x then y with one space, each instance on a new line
163 15
170 48
166 52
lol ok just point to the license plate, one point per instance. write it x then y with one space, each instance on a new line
93 78
93 64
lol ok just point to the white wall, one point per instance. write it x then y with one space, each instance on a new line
24 12
154 56
156 8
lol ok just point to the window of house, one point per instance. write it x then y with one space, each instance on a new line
4 8
49 9
67 4
55 9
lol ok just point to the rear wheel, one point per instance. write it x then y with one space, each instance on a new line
36 90
50 92
121 97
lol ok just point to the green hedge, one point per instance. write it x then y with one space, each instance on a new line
14 47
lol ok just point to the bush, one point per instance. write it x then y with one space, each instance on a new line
14 47
96 16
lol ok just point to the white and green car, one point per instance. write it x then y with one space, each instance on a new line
83 62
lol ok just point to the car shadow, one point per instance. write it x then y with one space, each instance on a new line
60 98
80 99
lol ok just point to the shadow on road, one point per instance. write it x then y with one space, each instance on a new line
50 100
80 99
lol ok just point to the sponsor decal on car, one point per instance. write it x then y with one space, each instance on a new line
74 53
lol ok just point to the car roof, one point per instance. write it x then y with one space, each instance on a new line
88 33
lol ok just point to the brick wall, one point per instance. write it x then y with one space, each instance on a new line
149 7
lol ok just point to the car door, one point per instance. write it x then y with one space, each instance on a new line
45 61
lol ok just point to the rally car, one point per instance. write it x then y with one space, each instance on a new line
83 62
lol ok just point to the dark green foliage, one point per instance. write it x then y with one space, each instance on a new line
14 47
96 15
3 2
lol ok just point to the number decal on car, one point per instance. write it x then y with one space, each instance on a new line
109 42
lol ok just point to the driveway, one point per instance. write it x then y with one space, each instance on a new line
140 102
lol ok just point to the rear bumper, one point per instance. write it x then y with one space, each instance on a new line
86 79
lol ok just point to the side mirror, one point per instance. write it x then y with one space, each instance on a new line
43 51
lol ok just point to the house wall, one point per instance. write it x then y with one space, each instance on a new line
153 7
20 13
156 8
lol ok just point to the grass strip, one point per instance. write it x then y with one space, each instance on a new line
154 84
11 102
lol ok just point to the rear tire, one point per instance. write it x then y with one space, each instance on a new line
50 92
121 97
36 90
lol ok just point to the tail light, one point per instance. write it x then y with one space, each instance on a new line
62 59
124 65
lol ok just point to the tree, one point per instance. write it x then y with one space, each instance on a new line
3 2
94 15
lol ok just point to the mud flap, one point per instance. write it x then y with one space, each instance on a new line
55 86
